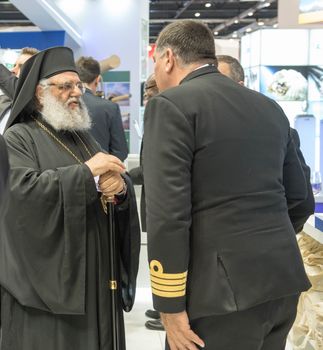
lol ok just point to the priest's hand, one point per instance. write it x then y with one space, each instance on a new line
179 333
101 163
111 183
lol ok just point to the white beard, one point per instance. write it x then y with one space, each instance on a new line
61 117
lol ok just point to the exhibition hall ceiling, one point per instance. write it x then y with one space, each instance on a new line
226 18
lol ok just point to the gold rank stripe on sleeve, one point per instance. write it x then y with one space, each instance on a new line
168 285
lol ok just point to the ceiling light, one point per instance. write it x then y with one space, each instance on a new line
216 33
248 30
275 25
261 23
267 4
250 13
208 4
236 21
234 35
197 14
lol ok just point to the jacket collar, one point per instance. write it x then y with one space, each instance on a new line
89 91
199 72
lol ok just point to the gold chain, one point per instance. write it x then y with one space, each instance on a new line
104 199
42 126
85 147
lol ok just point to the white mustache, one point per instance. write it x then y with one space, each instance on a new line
72 100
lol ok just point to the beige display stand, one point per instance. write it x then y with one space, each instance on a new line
307 331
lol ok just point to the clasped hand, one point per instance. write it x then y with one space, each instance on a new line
109 169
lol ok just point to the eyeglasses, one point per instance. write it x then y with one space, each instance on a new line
67 87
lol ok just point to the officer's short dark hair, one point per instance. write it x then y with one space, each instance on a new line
88 69
236 70
191 41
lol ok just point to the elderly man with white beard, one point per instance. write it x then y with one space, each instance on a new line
54 249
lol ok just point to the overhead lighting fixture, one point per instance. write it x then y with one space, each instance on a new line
275 25
261 23
234 35
248 30
216 33
250 13
267 4
236 21
197 14
208 4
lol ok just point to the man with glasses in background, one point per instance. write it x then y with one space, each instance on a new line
54 268
8 81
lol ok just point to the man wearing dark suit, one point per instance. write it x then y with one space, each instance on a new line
7 85
107 126
220 173
8 82
231 67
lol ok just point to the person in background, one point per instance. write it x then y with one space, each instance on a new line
220 171
136 174
8 81
54 261
231 67
107 126
25 54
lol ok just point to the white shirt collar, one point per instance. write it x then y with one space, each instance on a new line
4 121
205 65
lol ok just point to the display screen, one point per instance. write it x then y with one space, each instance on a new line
310 11
292 83
284 47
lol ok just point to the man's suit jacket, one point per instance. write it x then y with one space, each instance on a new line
8 81
221 172
301 212
137 178
107 126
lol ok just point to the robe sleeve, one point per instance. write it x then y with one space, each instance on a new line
128 231
43 236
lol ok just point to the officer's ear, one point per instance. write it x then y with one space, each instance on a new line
170 60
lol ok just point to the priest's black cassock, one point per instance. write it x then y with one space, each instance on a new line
54 256
4 168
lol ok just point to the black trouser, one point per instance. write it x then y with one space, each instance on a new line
264 327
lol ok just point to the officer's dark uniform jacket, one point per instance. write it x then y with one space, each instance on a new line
220 173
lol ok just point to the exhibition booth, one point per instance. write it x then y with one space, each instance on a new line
284 64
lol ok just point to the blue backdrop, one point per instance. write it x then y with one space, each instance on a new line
38 40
